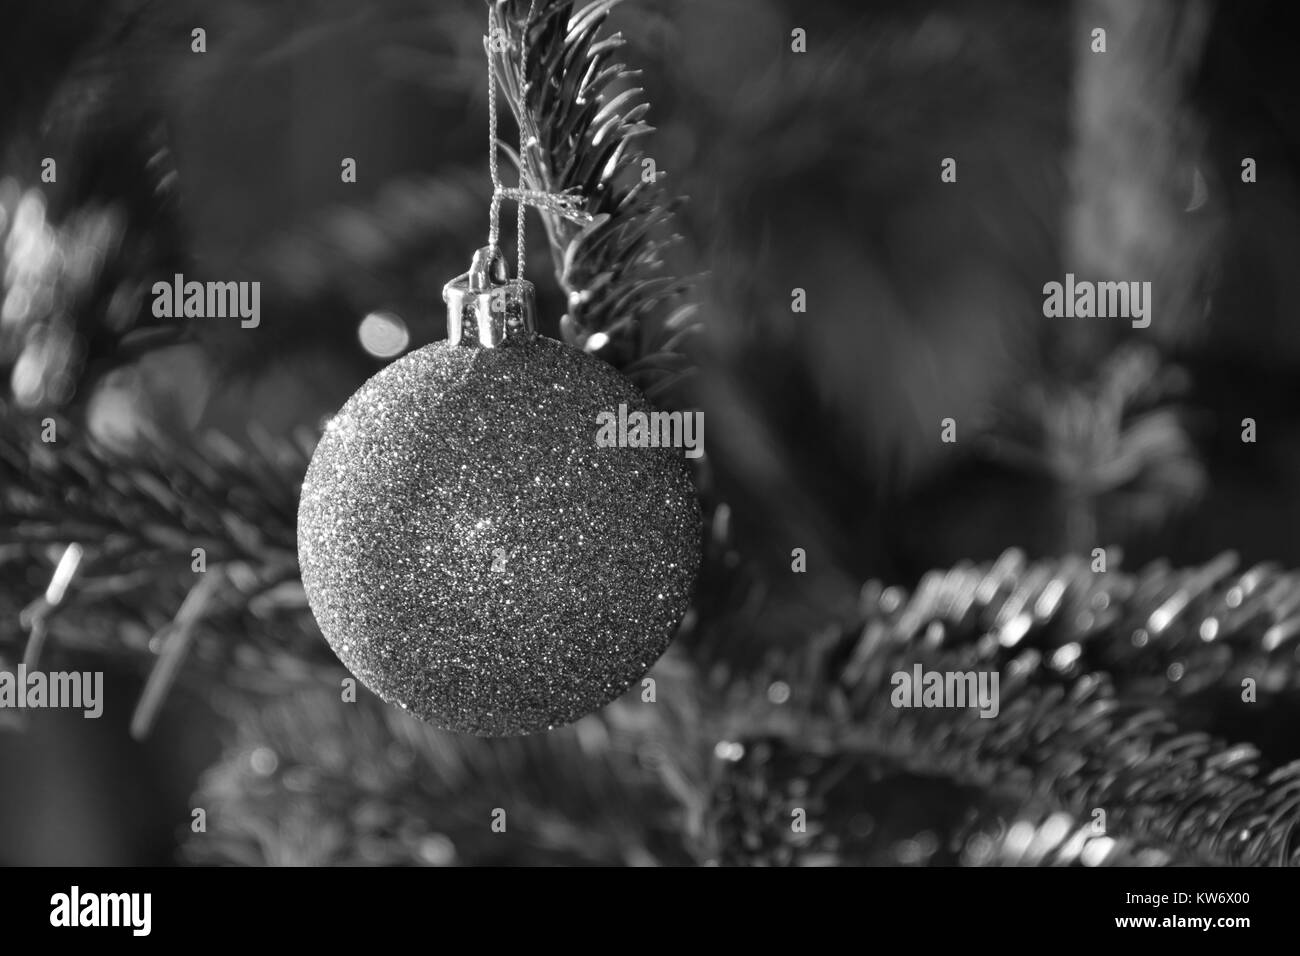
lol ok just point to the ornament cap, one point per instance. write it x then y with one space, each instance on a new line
486 308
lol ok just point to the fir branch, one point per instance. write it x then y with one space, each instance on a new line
866 809
584 125
139 522
578 795
1065 732
235 502
1057 839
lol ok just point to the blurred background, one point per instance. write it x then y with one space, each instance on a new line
817 170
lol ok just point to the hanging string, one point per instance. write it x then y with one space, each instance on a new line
568 204
494 210
525 162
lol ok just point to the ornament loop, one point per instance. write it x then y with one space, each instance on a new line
486 308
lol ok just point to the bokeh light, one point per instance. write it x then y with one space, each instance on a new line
383 334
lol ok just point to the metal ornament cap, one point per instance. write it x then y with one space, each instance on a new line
486 308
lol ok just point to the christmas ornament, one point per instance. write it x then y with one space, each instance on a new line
470 551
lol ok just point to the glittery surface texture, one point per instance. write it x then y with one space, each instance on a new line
473 556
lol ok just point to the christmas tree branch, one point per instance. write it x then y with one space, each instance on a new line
152 527
1066 730
583 127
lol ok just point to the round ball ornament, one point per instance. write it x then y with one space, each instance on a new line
470 550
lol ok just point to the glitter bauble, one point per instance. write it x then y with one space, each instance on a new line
474 556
